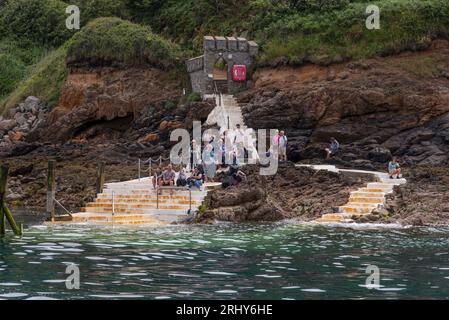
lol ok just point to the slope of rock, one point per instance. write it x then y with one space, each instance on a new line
90 97
292 193
394 105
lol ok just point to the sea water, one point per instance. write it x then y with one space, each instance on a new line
225 261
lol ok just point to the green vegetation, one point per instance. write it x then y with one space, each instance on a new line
341 34
38 21
170 106
163 32
44 81
193 97
106 41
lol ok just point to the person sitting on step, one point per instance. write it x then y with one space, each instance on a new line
394 169
182 178
168 179
196 179
157 176
333 148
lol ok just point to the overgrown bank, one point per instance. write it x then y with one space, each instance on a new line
288 31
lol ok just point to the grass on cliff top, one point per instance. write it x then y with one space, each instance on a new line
113 41
44 81
341 34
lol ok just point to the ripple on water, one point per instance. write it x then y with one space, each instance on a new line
13 295
220 273
226 291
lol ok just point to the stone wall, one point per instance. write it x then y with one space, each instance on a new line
234 51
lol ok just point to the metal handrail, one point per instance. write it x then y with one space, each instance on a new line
59 204
174 188
150 163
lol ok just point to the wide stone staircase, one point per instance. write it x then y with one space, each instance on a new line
136 203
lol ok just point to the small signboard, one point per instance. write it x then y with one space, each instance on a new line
239 73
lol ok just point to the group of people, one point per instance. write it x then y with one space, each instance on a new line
169 178
394 168
279 145
221 150
230 147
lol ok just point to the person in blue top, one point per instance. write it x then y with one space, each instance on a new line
394 169
333 148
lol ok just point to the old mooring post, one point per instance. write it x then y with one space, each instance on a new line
100 177
5 213
51 190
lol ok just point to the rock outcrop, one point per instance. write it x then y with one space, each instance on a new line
293 192
108 97
424 200
395 105
23 120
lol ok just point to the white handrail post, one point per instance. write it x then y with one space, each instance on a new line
139 168
113 207
113 203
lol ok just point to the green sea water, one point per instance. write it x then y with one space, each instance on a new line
226 261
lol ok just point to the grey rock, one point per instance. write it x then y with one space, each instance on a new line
7 125
20 119
13 197
379 154
30 103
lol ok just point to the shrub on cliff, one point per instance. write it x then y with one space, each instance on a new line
323 37
39 21
91 9
116 42
43 81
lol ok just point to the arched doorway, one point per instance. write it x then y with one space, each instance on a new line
221 75
220 69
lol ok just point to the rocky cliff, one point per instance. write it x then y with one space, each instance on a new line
292 193
394 105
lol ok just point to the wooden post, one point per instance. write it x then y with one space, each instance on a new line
3 180
2 222
11 221
100 177
5 213
51 189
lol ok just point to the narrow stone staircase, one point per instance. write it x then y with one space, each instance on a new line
136 203
227 115
364 200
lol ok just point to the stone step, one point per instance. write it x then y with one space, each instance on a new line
352 203
376 190
362 194
136 206
355 209
358 199
111 222
144 201
131 195
149 197
380 185
133 210
393 181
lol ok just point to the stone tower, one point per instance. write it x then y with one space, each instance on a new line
226 52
